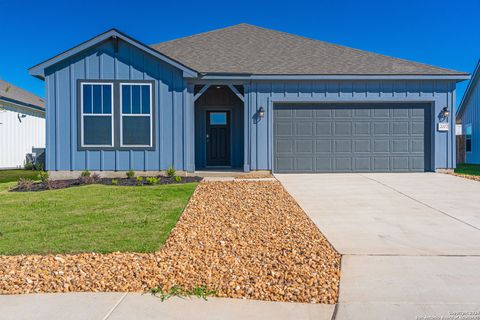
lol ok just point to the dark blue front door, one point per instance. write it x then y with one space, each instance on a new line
218 138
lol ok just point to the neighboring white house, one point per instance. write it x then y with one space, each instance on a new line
22 125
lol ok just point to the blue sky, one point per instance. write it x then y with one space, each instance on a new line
437 32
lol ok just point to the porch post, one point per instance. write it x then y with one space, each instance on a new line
246 128
189 128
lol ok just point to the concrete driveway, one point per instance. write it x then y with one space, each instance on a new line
410 242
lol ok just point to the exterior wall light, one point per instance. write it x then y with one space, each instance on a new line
261 112
445 112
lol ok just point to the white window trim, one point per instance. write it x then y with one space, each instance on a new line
469 125
136 114
111 114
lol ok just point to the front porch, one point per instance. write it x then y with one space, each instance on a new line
220 128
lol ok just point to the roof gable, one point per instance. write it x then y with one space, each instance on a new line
39 69
470 88
247 49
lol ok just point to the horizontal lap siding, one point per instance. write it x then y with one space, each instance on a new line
263 93
103 63
471 116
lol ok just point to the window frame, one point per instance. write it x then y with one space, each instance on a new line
469 125
122 115
111 114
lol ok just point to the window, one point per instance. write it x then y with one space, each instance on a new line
218 118
468 138
96 115
136 115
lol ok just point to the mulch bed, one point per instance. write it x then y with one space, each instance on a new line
243 239
62 184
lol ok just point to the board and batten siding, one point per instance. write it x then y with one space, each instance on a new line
471 115
18 138
259 138
105 62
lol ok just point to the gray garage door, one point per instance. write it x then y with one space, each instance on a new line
351 138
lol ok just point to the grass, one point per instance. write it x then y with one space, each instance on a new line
470 169
14 175
92 218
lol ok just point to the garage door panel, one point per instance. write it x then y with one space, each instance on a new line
400 128
342 146
362 146
304 164
323 129
323 146
304 128
284 128
361 128
381 128
351 138
324 165
362 113
284 146
343 113
343 164
323 113
304 146
342 128
362 164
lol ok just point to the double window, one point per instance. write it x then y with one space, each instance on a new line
468 138
116 115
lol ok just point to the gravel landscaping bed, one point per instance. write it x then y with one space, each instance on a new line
255 175
243 239
466 176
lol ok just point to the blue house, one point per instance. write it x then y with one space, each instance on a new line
246 98
468 116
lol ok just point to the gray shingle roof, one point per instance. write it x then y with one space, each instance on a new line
14 94
249 49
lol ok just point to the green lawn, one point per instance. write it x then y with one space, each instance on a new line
90 218
14 175
471 169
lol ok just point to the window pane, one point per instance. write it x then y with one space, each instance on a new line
87 99
135 99
97 130
107 99
468 145
136 131
146 99
126 106
468 130
218 118
97 99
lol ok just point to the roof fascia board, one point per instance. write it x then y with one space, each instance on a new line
39 69
22 108
469 90
336 77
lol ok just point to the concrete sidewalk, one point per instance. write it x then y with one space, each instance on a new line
117 306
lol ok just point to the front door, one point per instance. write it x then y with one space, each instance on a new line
218 138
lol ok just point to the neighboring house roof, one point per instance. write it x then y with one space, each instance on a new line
39 69
14 97
248 49
468 93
